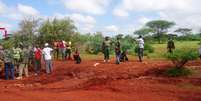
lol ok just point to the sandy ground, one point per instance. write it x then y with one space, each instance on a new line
129 81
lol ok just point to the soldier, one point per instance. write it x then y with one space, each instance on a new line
16 51
117 51
9 66
105 48
170 45
140 43
24 62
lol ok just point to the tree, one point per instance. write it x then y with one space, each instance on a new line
160 27
184 31
28 28
57 29
143 31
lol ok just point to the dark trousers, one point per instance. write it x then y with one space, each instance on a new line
9 71
56 53
77 59
37 66
140 54
106 54
68 54
170 50
118 55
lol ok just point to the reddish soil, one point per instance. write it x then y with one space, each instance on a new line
129 81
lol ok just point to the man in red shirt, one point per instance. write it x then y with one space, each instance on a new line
37 59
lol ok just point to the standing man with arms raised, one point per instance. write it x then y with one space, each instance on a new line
140 49
47 58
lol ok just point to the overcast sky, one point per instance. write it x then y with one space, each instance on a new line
108 16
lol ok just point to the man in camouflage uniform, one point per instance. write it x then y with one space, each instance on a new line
9 67
170 45
17 57
23 67
105 47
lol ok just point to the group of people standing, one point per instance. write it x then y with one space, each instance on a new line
63 49
18 59
121 55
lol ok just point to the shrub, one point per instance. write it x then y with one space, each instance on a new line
181 56
175 72
147 49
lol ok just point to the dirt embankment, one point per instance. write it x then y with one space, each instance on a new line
129 81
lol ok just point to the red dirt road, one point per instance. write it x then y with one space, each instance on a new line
129 81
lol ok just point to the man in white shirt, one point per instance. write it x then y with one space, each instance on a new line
47 58
140 43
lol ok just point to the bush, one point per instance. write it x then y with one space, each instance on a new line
180 57
176 72
147 49
93 46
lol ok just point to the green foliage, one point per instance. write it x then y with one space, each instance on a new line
57 29
143 31
177 72
184 31
147 49
94 43
181 56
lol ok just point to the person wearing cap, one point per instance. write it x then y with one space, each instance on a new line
47 58
140 42
170 45
117 51
105 48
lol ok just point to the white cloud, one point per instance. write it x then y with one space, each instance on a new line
111 28
120 13
3 8
96 7
144 20
27 10
84 23
184 12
